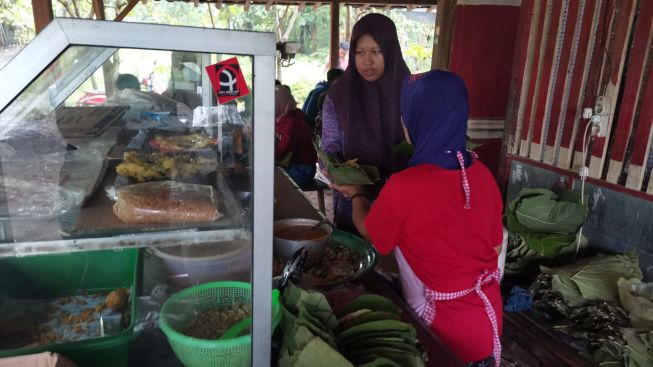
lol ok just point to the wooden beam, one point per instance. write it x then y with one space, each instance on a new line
268 4
432 9
301 7
218 5
98 9
335 33
248 4
316 6
444 22
126 10
43 15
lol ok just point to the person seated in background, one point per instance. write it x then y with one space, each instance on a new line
127 81
320 102
310 107
293 149
343 58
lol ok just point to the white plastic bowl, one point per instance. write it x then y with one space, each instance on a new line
194 264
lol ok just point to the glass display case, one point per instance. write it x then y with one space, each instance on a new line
120 171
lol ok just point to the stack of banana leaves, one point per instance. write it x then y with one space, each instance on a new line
367 332
585 295
347 172
542 224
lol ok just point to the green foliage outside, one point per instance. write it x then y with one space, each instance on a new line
310 29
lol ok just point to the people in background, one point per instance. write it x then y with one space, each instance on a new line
310 107
360 115
343 58
442 218
293 148
127 81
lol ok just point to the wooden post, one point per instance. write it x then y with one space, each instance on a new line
444 21
98 9
43 15
126 10
335 32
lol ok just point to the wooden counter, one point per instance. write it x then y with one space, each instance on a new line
290 202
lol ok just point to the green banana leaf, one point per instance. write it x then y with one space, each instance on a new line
546 221
317 353
595 277
345 323
380 362
371 302
377 326
345 174
639 348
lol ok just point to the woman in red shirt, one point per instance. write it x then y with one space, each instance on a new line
442 218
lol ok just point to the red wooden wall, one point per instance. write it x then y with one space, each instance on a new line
569 53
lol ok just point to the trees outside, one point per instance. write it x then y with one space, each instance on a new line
309 26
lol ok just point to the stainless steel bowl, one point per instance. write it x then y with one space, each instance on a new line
285 248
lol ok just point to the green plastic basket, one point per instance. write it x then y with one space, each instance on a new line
178 311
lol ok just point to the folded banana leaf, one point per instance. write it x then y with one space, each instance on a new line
407 337
371 302
380 343
349 172
377 326
346 323
317 353
315 303
296 338
401 358
380 362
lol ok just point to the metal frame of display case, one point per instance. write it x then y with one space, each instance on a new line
62 33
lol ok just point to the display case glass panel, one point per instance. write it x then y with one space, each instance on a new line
119 144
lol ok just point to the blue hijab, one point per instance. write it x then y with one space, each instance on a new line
434 110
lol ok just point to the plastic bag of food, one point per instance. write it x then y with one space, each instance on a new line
166 202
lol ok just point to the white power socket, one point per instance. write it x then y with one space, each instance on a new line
602 112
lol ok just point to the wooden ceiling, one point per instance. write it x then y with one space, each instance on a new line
385 4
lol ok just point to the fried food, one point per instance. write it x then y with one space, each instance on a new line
181 142
117 299
156 167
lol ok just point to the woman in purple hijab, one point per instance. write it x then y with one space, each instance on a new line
361 116
441 217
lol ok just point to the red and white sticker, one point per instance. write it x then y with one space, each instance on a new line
227 80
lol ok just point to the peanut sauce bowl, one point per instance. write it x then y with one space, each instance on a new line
291 234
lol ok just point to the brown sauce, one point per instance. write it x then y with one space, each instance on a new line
301 233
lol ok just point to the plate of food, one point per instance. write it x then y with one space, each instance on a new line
345 258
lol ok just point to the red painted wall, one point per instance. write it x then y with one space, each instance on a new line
482 52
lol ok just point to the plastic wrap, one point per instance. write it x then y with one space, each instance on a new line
166 202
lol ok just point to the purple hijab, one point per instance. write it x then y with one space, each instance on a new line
434 110
368 112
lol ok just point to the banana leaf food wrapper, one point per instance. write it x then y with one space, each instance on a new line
366 332
348 172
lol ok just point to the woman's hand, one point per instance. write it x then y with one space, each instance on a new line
347 190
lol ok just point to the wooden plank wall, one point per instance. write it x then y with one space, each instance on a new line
569 53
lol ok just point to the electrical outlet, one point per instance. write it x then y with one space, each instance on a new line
602 105
599 125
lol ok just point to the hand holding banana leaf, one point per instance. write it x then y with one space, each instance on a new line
348 172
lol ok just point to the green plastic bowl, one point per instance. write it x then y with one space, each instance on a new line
177 312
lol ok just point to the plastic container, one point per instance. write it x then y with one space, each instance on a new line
185 266
60 275
180 309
